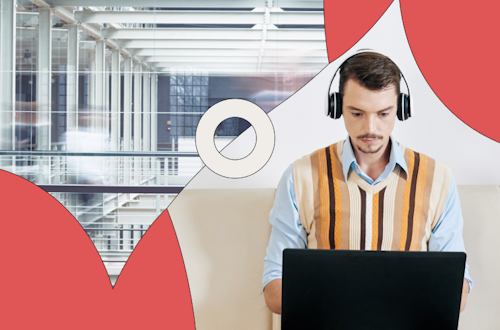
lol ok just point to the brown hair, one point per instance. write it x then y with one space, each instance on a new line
371 70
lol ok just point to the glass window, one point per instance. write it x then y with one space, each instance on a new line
80 120
180 90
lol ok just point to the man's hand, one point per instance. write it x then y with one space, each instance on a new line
465 294
272 295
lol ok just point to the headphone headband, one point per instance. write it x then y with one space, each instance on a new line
334 109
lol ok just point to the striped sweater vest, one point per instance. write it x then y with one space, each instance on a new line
396 214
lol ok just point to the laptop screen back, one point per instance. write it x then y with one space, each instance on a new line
329 289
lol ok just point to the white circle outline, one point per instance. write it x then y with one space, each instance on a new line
235 168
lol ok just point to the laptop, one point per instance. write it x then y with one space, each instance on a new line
361 290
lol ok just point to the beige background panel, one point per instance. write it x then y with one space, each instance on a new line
481 211
223 235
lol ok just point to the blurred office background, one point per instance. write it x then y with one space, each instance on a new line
100 99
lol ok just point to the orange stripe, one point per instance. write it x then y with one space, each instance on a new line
406 201
344 198
419 200
324 199
316 202
375 211
338 202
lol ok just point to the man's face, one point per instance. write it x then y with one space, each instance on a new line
369 116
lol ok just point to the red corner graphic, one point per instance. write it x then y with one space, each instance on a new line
346 22
53 277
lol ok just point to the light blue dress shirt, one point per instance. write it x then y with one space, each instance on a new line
287 230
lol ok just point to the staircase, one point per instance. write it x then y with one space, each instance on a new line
127 218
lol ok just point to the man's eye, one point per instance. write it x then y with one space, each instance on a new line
356 114
383 114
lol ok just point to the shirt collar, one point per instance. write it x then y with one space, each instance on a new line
396 157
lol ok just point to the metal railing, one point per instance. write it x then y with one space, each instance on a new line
124 238
115 212
67 167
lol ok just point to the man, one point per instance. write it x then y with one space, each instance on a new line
367 192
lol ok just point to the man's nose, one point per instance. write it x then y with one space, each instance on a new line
370 124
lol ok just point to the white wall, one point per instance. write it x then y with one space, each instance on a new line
301 126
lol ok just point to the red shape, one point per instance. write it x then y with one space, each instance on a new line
455 45
346 22
53 278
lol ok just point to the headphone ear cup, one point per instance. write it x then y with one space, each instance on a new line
403 107
407 106
338 106
331 106
400 108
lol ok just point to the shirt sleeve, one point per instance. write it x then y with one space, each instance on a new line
287 230
447 235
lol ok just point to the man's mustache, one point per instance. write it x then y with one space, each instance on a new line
370 136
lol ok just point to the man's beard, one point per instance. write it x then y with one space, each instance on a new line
370 136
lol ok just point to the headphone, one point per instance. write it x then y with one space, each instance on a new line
334 109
